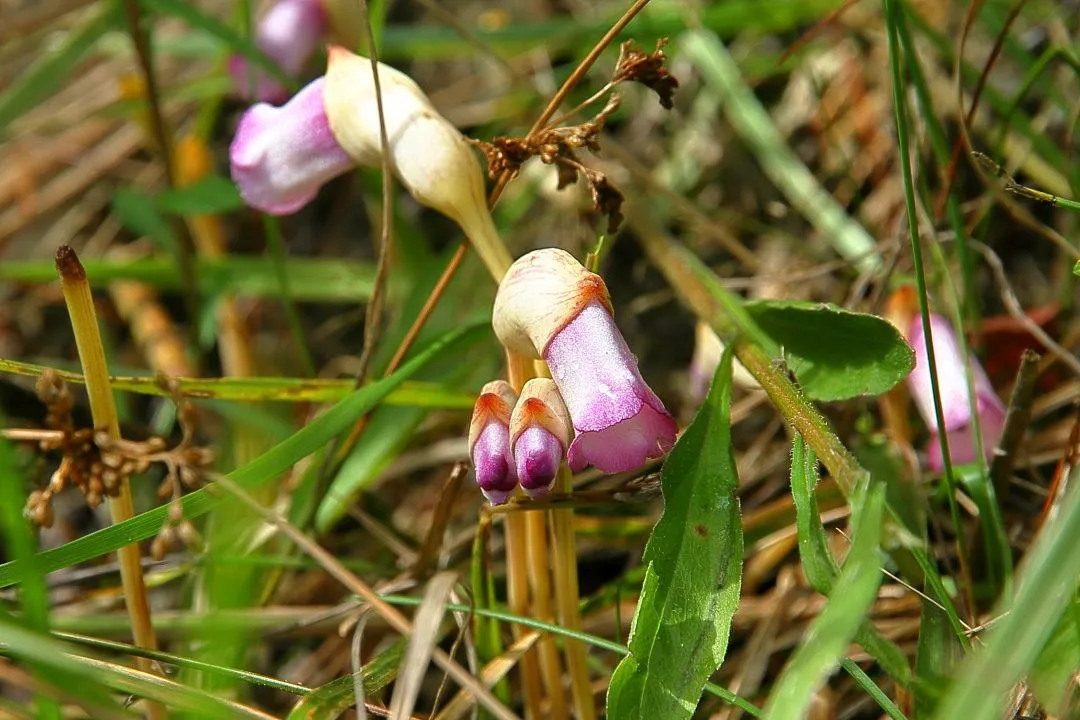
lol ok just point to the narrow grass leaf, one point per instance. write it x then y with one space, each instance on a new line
828 637
310 279
197 19
329 701
263 469
1052 675
820 566
835 353
693 568
422 640
1044 587
41 79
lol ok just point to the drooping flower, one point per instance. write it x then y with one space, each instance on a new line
489 441
539 435
952 367
281 156
551 307
289 32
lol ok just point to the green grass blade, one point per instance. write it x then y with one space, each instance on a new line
51 69
310 279
1044 588
258 472
783 168
693 572
328 701
832 631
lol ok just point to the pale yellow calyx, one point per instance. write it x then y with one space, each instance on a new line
541 404
494 404
542 292
434 161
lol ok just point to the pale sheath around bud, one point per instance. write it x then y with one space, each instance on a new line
281 156
489 441
540 433
549 306
708 349
289 32
953 386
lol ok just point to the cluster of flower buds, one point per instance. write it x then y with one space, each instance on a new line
281 156
550 307
289 33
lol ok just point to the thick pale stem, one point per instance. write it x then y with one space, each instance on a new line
566 599
80 305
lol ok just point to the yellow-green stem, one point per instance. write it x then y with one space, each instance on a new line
567 599
80 305
540 580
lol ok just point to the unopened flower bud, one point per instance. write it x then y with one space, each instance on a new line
289 33
708 348
434 161
540 433
281 156
489 441
549 306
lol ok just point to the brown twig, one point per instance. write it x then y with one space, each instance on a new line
80 304
1016 423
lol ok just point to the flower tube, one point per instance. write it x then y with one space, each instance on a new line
551 307
281 156
489 441
955 400
539 435
289 33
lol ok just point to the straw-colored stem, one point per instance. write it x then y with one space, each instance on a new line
566 601
517 592
540 580
80 305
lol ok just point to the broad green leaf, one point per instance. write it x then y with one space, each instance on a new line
310 279
836 354
1044 586
263 469
853 593
413 393
213 194
139 214
693 568
51 68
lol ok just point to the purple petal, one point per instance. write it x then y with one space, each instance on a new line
619 421
537 456
281 156
953 387
290 32
495 472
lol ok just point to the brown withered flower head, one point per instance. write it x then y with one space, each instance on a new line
648 69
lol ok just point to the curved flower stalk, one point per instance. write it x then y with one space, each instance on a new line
289 32
489 441
549 306
540 432
952 368
281 156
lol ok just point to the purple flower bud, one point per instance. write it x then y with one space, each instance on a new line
955 404
619 421
489 442
281 156
289 33
539 434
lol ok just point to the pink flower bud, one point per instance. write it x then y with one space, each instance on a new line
539 435
955 404
549 306
489 441
289 33
281 156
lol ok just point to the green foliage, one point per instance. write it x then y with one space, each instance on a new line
693 569
836 354
210 195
